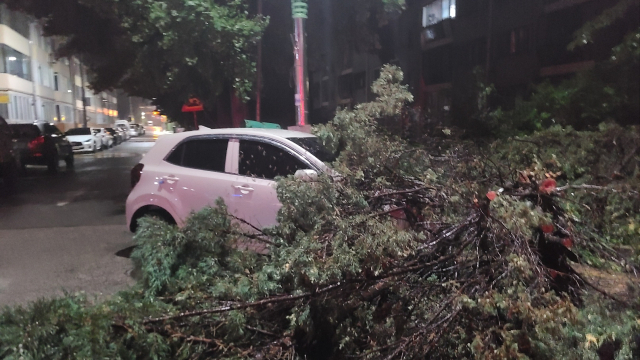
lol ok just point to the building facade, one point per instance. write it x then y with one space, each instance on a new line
441 44
34 85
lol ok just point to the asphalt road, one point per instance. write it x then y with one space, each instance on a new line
61 232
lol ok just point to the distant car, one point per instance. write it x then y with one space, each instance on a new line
188 171
41 143
124 129
134 130
8 168
82 139
104 136
117 136
139 128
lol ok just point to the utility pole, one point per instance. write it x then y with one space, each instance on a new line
299 14
84 97
259 65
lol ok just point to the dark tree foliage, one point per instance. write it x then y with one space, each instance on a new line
168 50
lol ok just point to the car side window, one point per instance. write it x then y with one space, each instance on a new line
266 161
202 154
51 130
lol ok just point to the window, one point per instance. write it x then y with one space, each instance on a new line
315 147
18 21
202 154
51 130
261 160
55 82
345 86
360 80
437 11
325 89
79 131
15 63
516 41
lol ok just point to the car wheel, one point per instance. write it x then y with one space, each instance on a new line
69 161
53 163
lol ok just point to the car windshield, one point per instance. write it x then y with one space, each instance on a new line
20 131
315 147
78 131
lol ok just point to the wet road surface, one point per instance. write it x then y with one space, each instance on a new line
61 232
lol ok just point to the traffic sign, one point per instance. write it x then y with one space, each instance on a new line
193 105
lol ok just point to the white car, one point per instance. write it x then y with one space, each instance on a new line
188 171
125 126
123 132
83 139
106 139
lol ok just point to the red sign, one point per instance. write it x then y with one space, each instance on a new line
193 105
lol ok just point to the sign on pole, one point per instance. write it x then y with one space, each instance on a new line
193 105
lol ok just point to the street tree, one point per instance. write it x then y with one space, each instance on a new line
168 50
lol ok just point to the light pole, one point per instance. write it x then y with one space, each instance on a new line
299 14
259 77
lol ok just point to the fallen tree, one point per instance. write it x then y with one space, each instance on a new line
447 250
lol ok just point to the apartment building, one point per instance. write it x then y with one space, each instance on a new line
516 43
34 85
439 43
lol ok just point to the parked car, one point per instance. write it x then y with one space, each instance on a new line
82 139
117 135
8 168
41 143
104 136
134 130
126 126
138 129
188 171
124 129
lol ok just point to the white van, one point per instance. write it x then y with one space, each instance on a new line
124 125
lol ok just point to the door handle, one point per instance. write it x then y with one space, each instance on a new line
243 189
170 179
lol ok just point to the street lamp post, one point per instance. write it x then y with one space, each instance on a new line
299 13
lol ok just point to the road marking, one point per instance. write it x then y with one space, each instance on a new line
62 203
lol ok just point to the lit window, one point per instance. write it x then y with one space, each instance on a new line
438 11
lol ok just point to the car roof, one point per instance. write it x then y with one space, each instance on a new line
272 133
167 142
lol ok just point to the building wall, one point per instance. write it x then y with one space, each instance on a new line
39 86
440 43
515 42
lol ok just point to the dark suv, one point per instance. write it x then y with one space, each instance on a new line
41 143
7 161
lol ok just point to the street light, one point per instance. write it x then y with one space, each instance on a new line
299 13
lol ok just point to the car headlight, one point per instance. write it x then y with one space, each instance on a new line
88 141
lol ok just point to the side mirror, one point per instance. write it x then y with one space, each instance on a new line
306 175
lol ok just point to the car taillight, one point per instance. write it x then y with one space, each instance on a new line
35 143
136 173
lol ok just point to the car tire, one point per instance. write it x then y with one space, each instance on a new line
156 214
53 163
69 161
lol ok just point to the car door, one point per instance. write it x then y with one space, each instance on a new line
260 161
196 173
